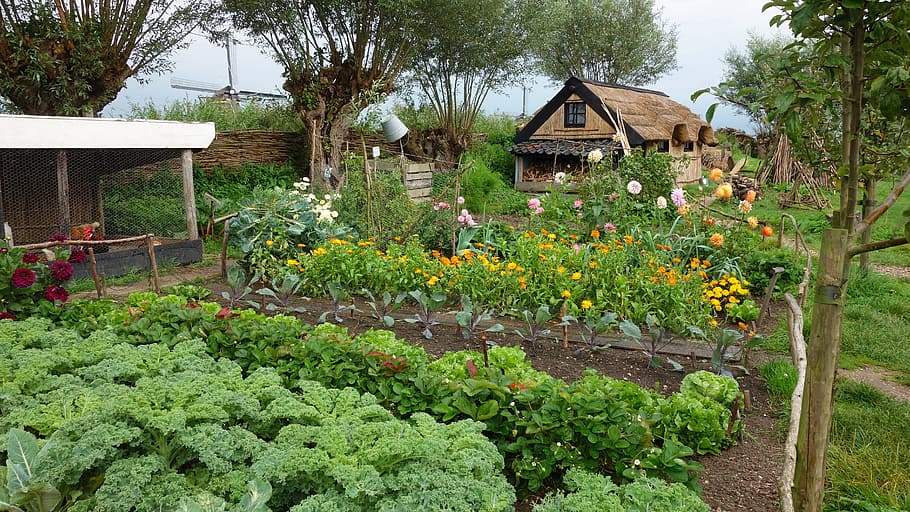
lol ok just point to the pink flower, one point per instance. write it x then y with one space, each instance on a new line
634 187
538 210
23 277
442 205
576 247
578 203
461 219
460 200
61 271
610 227
56 293
58 237
678 196
533 204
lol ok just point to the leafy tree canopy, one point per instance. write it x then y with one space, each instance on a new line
617 41
72 58
338 55
454 69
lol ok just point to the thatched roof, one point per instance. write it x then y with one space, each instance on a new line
648 115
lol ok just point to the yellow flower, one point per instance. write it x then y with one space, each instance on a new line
551 236
724 191
561 269
432 281
576 276
586 304
293 263
592 265
713 322
566 294
511 265
268 243
753 222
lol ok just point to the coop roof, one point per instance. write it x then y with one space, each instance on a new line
647 115
40 132
579 148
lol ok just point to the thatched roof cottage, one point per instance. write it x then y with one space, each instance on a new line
584 116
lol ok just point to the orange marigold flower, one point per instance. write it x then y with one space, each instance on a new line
586 304
724 191
750 196
716 174
595 234
566 294
767 230
717 239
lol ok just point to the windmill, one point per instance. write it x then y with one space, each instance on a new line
228 92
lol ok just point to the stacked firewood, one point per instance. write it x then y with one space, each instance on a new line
742 185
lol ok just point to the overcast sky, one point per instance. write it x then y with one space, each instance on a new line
706 28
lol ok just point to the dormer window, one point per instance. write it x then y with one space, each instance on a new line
663 146
689 147
575 114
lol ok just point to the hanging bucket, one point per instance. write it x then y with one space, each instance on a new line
393 128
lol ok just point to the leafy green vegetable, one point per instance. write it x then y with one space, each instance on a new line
723 390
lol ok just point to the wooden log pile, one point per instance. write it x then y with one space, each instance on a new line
742 185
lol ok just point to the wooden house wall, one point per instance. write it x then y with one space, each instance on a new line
554 127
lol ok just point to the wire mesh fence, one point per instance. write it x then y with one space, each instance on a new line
126 192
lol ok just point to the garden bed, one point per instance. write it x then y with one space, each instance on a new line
742 478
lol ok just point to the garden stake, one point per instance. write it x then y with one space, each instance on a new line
483 346
104 284
94 269
150 240
775 273
224 241
565 329
747 400
694 360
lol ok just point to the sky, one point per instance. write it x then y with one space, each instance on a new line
707 29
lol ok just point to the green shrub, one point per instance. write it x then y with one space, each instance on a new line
249 115
392 211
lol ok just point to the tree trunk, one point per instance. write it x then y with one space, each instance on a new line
823 351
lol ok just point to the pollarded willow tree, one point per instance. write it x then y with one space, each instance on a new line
863 48
617 41
72 58
337 56
466 49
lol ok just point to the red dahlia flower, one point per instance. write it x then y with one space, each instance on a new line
56 293
77 255
61 271
6 315
29 258
23 277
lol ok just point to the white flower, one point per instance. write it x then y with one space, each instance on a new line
636 462
595 156
559 177
617 137
634 187
661 202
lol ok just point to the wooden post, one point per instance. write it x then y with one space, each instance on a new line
565 328
224 242
63 191
94 269
798 351
189 195
822 353
153 265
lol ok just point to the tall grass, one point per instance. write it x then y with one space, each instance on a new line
868 461
248 115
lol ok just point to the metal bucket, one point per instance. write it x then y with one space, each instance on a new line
393 128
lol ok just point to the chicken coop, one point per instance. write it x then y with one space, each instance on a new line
126 178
